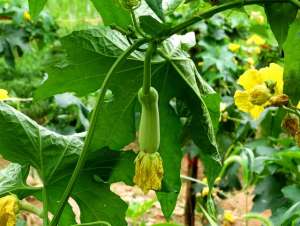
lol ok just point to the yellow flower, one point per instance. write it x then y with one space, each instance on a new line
259 86
26 16
255 40
298 105
148 171
257 17
228 216
9 207
205 192
204 180
234 47
3 94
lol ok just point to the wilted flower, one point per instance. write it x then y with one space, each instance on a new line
279 100
148 171
3 94
9 207
255 40
291 124
234 47
259 86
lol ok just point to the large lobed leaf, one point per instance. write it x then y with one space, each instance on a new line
54 156
292 62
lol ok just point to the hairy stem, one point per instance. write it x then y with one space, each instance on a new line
45 206
147 67
216 9
94 118
26 206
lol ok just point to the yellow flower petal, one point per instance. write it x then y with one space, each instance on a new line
228 216
274 73
148 171
241 100
250 79
234 47
9 207
256 111
298 105
26 15
3 94
205 192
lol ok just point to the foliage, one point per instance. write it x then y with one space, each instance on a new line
106 66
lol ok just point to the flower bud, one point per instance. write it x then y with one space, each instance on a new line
130 4
148 171
279 100
291 124
259 95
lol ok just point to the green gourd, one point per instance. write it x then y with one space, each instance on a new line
149 130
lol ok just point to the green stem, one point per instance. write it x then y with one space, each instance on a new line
257 216
93 223
147 67
135 24
216 9
45 207
26 206
90 135
292 110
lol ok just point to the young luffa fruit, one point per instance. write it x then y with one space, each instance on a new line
148 163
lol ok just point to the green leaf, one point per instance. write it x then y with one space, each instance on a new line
13 180
151 26
35 7
268 195
156 6
170 146
91 53
292 62
292 192
138 209
43 149
112 13
204 105
280 16
54 156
